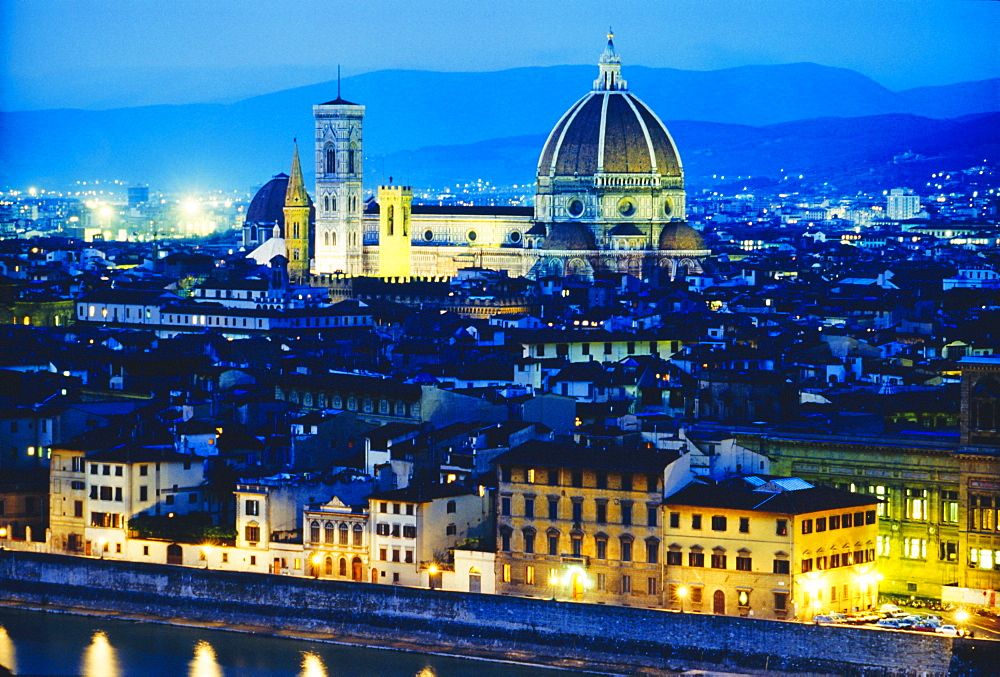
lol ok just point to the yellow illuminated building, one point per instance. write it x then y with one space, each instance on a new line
395 203
297 207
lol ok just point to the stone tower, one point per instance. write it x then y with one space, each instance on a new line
339 198
296 212
394 204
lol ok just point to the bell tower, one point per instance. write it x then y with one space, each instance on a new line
296 212
339 199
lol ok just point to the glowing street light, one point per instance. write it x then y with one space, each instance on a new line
682 593
961 616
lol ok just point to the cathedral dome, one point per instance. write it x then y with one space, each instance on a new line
568 236
611 132
679 236
267 206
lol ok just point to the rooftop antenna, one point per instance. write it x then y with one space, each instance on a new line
338 80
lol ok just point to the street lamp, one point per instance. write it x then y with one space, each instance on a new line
431 572
316 559
3 536
961 616
205 551
682 592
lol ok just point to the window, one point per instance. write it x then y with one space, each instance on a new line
450 530
553 477
252 533
781 566
651 513
781 528
529 507
358 534
718 523
744 525
626 513
651 585
846 521
169 499
626 548
252 508
869 517
505 539
882 546
529 540
343 532
396 508
807 526
915 548
780 601
105 493
577 545
144 493
602 581
314 532
409 508
627 481
577 478
505 573
396 532
674 558
143 470
577 509
553 543
820 524
834 522
916 504
118 470
696 521
118 493
395 554
505 506
601 480
382 528
718 560
602 547
77 508
602 512
652 551
652 482
743 563
675 520
529 575
881 492
696 559
949 551
626 584
553 508
106 470
807 565
949 507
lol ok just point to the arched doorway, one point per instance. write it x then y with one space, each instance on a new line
374 575
475 580
719 603
356 574
577 585
175 554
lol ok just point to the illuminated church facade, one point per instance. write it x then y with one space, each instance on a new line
609 199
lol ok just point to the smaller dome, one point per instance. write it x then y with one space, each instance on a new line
268 204
679 236
568 236
626 230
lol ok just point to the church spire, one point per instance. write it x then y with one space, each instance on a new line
610 77
295 194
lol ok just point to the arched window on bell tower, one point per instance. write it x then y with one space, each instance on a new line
331 160
326 203
350 161
389 218
295 231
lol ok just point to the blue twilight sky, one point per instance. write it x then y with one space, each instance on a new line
109 53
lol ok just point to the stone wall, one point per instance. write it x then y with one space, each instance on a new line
623 635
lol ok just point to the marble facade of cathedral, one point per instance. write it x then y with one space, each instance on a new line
609 199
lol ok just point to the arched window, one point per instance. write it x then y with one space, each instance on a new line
329 566
295 255
326 203
295 231
343 566
328 536
331 160
326 239
351 168
358 534
390 214
333 203
314 532
333 238
343 537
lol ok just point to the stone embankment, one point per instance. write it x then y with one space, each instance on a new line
504 626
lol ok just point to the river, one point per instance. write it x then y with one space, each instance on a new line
47 643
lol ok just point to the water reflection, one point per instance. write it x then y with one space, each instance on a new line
204 663
100 659
312 665
428 671
8 655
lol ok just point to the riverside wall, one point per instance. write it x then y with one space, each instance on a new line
503 625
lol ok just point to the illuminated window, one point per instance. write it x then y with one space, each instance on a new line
916 504
506 573
949 507
529 575
915 548
882 546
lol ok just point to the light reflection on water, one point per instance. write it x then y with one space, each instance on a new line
99 660
204 663
428 671
8 655
312 665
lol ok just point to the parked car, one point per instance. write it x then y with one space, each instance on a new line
949 630
888 624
